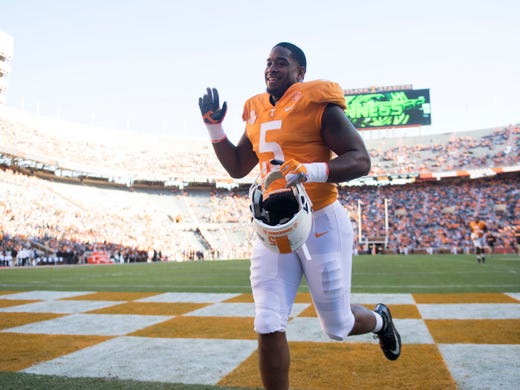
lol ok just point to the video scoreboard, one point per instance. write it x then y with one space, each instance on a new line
385 107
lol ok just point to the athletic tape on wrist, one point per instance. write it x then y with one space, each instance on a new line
317 172
216 132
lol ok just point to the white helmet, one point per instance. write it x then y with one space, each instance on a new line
284 220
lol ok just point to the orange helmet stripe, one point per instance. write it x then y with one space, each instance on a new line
283 244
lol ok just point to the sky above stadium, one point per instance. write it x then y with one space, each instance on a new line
141 65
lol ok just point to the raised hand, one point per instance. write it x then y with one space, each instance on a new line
210 109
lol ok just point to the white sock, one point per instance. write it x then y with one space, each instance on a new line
379 322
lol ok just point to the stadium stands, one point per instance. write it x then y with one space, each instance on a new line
6 54
446 152
68 190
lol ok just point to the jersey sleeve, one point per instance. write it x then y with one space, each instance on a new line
245 112
327 92
251 106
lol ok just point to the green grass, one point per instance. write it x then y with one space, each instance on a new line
384 274
15 381
209 276
435 274
371 274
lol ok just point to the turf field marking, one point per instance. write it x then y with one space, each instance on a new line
91 324
178 360
483 366
422 366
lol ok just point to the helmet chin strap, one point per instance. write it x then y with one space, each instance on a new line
274 175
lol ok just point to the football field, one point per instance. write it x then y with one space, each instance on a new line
189 326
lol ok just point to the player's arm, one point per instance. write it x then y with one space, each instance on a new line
237 160
342 138
340 135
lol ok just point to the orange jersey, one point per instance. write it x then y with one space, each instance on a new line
291 129
478 228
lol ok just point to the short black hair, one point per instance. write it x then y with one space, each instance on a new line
297 54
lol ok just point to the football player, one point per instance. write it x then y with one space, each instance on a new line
302 126
478 230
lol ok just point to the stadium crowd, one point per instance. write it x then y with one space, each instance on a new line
480 149
168 158
58 229
433 216
49 222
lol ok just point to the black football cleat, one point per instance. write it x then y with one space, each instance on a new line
389 338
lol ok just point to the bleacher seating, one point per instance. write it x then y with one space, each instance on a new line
62 213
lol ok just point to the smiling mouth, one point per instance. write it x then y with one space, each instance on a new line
271 81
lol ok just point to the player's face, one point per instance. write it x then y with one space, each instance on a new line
281 72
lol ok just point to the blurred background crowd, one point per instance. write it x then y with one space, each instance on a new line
181 212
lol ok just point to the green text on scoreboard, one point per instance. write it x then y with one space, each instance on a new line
409 107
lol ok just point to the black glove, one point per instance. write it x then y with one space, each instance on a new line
210 107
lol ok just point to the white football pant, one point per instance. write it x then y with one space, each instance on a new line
275 278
